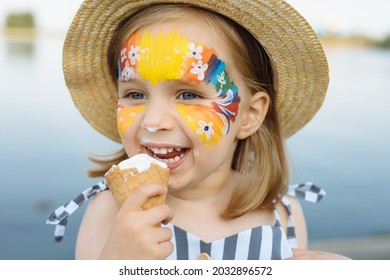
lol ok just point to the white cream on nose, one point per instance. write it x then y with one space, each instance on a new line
152 129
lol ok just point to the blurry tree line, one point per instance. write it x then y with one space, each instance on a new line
385 43
20 20
26 20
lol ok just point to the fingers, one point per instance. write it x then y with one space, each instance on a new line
160 214
168 218
140 195
136 233
164 235
133 206
166 248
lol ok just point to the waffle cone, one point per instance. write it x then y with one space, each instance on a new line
122 182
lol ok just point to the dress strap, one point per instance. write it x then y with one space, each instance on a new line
306 191
60 216
290 234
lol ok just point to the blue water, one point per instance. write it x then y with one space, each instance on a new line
45 143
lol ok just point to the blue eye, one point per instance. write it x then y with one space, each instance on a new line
137 95
188 95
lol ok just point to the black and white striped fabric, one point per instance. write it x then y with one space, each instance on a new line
60 216
259 243
263 242
306 191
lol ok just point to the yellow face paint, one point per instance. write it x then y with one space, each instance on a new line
163 57
126 116
206 123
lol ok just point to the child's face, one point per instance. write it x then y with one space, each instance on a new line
178 102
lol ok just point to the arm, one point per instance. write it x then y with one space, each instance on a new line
300 223
299 220
301 252
96 226
127 233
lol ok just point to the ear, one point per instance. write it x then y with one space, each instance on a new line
254 115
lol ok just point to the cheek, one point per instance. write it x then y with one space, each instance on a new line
205 122
126 117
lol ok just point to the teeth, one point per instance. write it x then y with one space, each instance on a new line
163 151
172 160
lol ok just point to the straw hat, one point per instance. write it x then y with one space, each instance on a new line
289 39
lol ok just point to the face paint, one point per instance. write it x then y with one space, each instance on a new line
206 124
126 116
159 58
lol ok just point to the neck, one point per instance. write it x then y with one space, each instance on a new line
210 197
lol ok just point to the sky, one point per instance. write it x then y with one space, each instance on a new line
368 17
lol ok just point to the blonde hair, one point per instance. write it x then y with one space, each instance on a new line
259 159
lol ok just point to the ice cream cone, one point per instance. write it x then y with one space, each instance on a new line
122 179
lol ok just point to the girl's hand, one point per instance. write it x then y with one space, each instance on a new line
136 233
303 254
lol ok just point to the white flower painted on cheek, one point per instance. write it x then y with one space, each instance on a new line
195 51
205 128
133 54
198 69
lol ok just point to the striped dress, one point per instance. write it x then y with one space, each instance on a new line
268 242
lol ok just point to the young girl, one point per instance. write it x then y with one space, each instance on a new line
212 88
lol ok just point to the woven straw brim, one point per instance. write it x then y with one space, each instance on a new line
288 38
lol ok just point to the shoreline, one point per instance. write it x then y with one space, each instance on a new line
372 247
348 42
30 34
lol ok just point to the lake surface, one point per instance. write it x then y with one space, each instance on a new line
45 143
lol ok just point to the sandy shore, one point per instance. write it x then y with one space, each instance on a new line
376 247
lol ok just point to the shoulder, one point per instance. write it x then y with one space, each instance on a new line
103 203
294 211
95 226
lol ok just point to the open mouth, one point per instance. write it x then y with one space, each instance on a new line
170 155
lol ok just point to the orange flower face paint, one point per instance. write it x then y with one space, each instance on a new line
206 124
126 116
163 57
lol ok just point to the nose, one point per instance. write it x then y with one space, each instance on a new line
158 116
